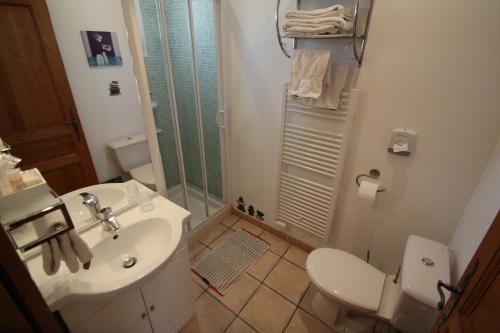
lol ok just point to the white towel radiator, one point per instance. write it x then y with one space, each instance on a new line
313 150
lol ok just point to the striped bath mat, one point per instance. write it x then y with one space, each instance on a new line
228 261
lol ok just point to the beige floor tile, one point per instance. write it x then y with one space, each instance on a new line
263 266
267 311
239 293
288 280
297 256
211 316
303 322
241 223
219 240
230 220
239 326
197 290
277 244
212 234
194 261
306 302
194 248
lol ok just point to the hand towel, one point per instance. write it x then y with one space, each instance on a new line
69 246
68 254
308 69
330 97
81 248
333 11
51 257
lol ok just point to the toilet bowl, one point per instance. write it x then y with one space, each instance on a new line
132 154
348 284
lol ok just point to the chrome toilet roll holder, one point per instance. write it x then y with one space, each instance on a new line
373 174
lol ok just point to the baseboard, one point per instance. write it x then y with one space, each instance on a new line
266 227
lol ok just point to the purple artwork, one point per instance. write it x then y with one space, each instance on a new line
102 48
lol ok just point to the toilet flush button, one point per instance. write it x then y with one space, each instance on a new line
427 262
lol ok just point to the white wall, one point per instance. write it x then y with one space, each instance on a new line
424 69
104 118
479 213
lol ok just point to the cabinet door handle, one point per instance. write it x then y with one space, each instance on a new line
143 315
152 308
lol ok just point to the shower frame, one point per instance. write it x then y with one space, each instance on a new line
148 110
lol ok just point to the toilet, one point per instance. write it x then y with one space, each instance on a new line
347 284
132 154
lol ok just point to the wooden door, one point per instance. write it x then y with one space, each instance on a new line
38 117
478 308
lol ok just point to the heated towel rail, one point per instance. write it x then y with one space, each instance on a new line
312 152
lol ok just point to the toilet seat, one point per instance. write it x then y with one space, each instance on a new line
346 278
144 174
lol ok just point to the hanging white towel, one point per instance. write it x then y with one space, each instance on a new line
330 96
333 11
69 246
308 70
51 257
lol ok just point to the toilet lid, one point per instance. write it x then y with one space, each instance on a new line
346 278
144 174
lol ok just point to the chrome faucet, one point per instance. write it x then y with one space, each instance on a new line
108 220
92 203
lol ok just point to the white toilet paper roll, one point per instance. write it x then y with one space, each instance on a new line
367 191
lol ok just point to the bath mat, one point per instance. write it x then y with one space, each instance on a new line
225 264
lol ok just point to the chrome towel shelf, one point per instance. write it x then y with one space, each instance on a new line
358 38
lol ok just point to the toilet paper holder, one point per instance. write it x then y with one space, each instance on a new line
374 174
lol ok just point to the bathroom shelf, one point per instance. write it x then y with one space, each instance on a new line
358 40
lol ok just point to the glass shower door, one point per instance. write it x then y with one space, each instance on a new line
206 58
181 58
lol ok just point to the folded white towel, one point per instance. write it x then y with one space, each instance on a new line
332 25
308 69
69 246
330 96
333 11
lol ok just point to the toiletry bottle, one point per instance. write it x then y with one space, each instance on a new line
15 179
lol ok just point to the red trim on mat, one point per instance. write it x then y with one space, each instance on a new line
251 233
207 282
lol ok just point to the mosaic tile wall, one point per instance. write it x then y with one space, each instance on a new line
158 86
176 13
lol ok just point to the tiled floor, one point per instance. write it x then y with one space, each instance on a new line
273 296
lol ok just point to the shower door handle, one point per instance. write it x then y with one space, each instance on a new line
221 118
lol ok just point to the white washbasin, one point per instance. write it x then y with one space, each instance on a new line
143 241
110 195
151 237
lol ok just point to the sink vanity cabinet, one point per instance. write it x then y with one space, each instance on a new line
164 303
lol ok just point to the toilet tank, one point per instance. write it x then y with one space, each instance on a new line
424 263
131 152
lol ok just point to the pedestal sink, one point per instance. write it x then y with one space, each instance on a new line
151 238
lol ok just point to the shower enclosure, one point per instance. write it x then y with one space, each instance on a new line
180 46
